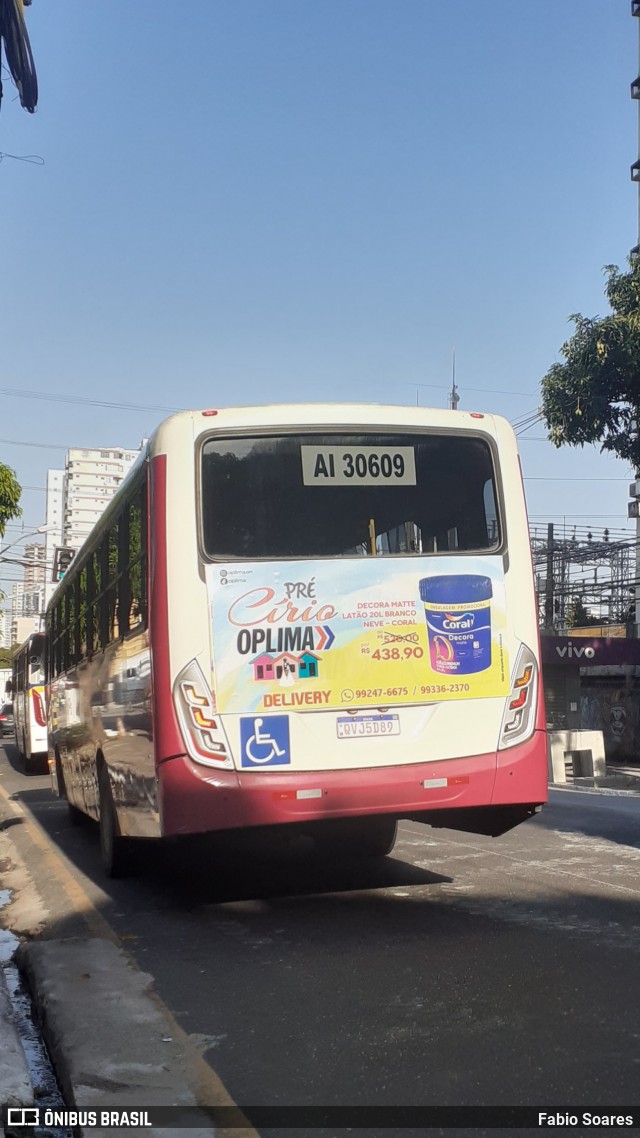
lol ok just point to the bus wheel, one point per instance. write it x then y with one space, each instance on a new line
356 837
27 759
114 849
76 817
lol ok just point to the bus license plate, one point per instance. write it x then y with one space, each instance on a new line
357 726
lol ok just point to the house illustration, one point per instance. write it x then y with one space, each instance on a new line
263 667
286 665
308 666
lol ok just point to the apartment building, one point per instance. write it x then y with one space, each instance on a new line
54 522
91 478
34 568
26 609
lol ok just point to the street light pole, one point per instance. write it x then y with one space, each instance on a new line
23 537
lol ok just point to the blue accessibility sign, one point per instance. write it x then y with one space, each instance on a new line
264 741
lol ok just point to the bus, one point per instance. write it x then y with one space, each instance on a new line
316 618
29 705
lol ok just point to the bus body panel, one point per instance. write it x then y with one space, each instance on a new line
193 801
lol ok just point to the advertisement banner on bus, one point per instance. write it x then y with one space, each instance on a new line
315 635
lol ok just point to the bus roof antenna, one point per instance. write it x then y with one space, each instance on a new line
454 397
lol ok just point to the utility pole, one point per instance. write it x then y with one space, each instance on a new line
548 592
634 489
454 398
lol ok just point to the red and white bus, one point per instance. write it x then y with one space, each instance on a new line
312 616
28 694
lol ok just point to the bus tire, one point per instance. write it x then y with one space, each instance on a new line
27 759
115 850
356 837
76 816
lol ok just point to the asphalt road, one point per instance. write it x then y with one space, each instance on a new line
460 970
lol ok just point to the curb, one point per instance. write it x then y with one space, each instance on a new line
593 790
16 1087
110 1042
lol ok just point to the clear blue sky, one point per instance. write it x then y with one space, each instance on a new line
268 200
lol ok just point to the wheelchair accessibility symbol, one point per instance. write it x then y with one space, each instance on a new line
265 742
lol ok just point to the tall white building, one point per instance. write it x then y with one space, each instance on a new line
34 558
25 612
91 479
23 626
5 631
34 579
54 522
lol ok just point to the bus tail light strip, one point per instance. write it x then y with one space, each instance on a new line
38 708
201 728
518 720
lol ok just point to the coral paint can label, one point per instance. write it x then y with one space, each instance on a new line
458 615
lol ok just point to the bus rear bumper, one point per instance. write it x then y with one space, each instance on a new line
196 799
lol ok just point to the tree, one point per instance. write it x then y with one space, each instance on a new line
10 491
6 656
578 616
595 395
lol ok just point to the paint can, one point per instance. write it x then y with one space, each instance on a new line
458 615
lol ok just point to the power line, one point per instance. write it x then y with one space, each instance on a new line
480 390
48 396
562 478
44 446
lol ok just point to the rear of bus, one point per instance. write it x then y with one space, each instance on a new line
343 622
29 702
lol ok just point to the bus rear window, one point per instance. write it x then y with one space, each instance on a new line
347 495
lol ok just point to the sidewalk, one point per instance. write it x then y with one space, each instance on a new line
621 778
110 1042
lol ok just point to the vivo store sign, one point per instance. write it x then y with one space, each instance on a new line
571 650
596 651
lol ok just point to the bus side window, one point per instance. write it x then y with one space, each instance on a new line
102 604
63 609
56 663
112 584
70 637
123 574
82 613
90 604
136 570
96 604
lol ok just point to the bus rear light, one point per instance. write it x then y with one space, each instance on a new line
192 697
519 716
201 720
297 795
520 701
38 708
202 731
525 678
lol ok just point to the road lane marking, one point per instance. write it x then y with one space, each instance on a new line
545 867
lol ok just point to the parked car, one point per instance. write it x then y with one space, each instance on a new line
6 719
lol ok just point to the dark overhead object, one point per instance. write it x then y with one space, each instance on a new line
14 40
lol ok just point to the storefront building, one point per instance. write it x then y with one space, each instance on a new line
593 684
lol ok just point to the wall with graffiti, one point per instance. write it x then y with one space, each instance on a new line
611 704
